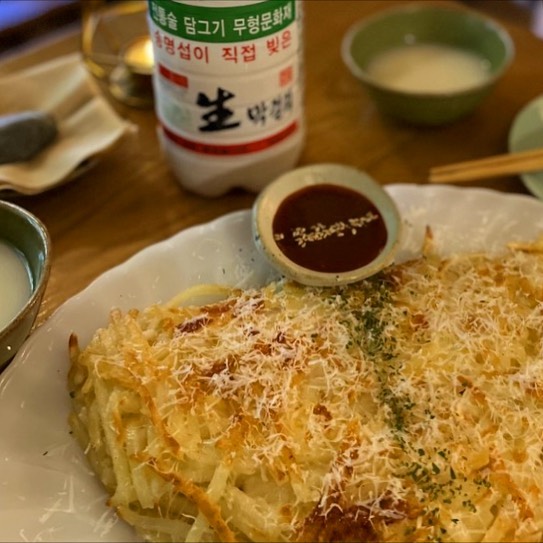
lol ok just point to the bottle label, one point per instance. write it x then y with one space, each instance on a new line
228 58
227 79
222 24
230 149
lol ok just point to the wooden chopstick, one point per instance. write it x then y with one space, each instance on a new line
493 166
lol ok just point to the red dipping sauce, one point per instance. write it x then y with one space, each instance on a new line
329 228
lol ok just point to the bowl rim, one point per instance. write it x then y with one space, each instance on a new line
40 283
271 197
361 74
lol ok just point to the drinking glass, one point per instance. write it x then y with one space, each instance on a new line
117 49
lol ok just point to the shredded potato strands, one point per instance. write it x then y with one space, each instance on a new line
407 407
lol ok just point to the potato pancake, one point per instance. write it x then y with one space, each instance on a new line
406 407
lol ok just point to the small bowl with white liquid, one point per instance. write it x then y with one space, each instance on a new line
25 261
427 64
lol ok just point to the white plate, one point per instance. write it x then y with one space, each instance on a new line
527 133
47 492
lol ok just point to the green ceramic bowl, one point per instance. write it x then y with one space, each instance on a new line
426 23
27 234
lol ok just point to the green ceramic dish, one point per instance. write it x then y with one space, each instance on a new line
28 234
426 23
527 133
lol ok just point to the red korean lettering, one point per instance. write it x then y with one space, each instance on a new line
273 45
230 53
169 45
286 39
158 39
201 53
248 53
183 50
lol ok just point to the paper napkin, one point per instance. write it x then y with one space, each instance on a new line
87 124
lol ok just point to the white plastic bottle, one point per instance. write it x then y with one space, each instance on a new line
228 85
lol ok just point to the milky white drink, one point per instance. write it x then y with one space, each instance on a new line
15 286
428 68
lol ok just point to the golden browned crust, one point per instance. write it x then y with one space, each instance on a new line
407 407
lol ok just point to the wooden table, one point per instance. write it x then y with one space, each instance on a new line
131 200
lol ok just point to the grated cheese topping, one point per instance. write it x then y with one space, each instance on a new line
407 407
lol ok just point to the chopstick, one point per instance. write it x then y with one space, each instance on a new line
493 166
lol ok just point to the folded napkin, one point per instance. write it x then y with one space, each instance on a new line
87 124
